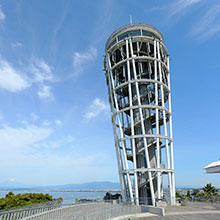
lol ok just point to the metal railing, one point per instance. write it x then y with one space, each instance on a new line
94 210
28 210
99 210
198 198
200 201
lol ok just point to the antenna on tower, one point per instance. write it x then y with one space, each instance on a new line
130 19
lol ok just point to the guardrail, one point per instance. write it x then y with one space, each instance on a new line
200 201
89 211
94 210
101 210
24 212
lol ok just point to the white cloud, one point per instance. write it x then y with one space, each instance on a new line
209 25
61 142
11 79
2 15
80 59
16 140
35 148
58 122
12 180
16 45
24 122
46 123
31 146
96 108
44 92
16 80
34 116
181 5
41 71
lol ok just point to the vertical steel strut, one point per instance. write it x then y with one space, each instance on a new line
138 79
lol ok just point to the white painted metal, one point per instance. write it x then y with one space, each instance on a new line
132 125
85 211
157 123
121 132
138 79
213 167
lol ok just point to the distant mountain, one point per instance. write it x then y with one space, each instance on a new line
188 187
84 186
89 185
12 185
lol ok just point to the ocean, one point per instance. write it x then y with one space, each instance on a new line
68 197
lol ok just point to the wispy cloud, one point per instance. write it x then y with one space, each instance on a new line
45 92
16 45
58 122
181 5
17 79
23 138
209 24
96 108
11 79
80 59
34 116
63 13
63 141
46 123
38 150
2 15
41 71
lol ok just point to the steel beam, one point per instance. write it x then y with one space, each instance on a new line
138 79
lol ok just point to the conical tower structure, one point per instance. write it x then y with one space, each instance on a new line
138 79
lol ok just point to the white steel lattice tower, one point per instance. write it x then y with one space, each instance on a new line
138 79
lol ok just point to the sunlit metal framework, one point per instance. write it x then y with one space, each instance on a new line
138 79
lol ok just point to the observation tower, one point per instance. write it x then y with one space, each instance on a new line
138 78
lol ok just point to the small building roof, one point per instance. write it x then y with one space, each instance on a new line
213 167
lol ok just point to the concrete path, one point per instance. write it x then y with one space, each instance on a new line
187 213
213 216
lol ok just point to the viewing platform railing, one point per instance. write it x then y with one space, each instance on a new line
89 210
99 210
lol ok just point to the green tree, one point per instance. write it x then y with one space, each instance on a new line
188 193
210 190
12 200
195 192
178 194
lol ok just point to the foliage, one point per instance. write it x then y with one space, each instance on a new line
210 190
188 195
109 196
178 195
195 192
209 194
12 200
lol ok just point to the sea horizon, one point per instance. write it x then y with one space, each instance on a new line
69 197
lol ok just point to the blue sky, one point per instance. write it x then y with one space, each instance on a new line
55 125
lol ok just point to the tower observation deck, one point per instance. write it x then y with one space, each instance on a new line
138 79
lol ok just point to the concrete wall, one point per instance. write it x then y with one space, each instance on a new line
152 209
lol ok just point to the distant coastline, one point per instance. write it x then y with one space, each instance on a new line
83 190
83 187
61 190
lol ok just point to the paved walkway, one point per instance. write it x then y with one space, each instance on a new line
213 216
187 213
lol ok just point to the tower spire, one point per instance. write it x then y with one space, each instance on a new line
130 19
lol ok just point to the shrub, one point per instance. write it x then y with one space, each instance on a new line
12 200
